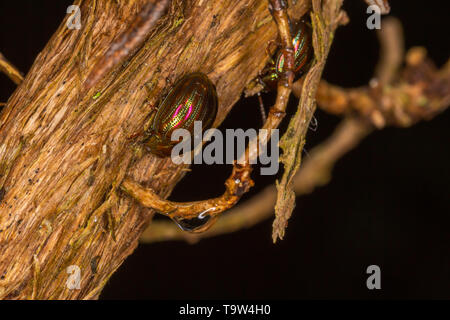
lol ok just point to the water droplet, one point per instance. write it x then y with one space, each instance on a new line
197 224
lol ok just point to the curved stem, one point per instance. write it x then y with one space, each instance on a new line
10 70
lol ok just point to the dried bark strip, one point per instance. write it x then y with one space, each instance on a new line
326 16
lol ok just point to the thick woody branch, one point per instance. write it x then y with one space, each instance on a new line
66 150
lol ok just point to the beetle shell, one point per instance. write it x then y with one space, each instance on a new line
303 53
302 49
192 98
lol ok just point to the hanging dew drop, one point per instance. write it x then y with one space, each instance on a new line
196 224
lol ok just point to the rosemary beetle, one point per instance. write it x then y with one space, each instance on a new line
303 53
192 98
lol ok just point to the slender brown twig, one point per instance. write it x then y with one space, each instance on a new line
421 92
392 51
315 172
10 70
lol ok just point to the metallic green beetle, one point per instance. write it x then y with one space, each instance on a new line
192 98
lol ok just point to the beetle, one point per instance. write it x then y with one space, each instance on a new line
192 98
303 53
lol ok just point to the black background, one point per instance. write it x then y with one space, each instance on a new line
387 204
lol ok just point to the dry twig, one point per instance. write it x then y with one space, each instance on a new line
10 70
315 172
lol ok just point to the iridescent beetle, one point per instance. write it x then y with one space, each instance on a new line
303 53
192 98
